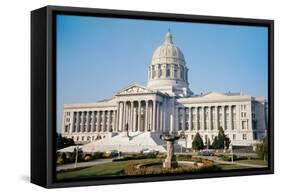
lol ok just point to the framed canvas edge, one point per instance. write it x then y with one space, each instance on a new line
51 90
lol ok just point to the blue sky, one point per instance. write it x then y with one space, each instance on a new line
96 57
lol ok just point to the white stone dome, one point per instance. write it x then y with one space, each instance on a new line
168 52
167 71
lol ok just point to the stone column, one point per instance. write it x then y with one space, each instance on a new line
124 116
223 117
92 120
121 116
146 116
203 118
157 116
196 118
176 119
210 117
131 115
80 121
98 121
150 124
113 120
103 121
230 117
161 117
216 119
183 118
190 118
108 120
117 117
164 114
87 121
139 115
134 118
154 116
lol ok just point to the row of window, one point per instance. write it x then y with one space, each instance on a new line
210 117
159 70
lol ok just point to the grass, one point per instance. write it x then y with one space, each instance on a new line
108 169
256 162
117 169
232 166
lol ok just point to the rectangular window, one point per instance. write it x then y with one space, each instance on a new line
244 137
234 137
244 125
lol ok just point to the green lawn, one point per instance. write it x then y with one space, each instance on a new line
116 169
256 162
232 166
108 169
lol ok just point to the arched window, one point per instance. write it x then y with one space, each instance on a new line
175 71
181 73
153 72
160 70
168 72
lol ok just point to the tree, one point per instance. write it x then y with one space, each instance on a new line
63 142
221 141
197 143
262 149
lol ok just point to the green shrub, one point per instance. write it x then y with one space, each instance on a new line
88 158
60 161
228 157
196 158
183 157
131 169
136 157
262 149
161 156
97 155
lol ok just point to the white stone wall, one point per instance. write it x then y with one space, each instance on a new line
160 107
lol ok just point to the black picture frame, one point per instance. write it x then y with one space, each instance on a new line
43 92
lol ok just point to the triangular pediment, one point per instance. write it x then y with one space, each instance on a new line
214 95
134 89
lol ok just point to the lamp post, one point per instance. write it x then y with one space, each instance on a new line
231 152
76 157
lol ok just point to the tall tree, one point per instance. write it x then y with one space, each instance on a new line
262 149
197 143
221 141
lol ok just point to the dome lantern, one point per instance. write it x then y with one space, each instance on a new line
169 38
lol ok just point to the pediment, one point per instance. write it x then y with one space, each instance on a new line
214 95
134 89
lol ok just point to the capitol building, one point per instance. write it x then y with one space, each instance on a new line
137 115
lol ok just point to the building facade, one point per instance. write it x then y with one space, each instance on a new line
168 105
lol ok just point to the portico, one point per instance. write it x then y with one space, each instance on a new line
142 115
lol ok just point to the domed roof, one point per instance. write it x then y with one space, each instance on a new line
168 52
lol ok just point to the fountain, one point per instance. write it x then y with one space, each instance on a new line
170 161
